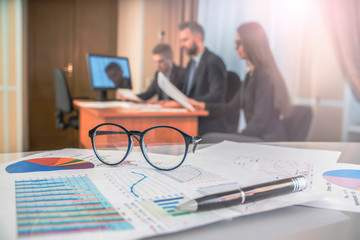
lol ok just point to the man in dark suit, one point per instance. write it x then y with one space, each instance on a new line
205 74
163 58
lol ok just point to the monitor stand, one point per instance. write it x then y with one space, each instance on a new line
102 95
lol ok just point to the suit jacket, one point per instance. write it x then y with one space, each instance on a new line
209 85
176 78
256 97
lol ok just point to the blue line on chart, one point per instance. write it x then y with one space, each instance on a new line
132 187
168 203
169 207
169 199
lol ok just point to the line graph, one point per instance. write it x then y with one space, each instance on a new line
132 187
142 184
273 166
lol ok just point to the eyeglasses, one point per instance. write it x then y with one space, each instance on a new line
238 43
153 141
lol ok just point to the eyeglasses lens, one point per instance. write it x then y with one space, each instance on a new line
164 140
111 143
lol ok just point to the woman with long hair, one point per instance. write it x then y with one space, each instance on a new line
263 95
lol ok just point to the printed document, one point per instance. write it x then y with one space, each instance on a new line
86 199
338 183
129 94
173 92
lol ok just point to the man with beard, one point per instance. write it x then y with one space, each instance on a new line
205 74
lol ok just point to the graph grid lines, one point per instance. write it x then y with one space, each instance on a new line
63 205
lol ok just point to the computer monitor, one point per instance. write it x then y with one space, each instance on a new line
108 73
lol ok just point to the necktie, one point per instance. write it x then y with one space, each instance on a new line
191 77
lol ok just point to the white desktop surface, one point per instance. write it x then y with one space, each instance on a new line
296 222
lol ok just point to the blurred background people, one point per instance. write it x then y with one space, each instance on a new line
263 95
205 74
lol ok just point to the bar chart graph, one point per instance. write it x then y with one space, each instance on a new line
63 205
169 205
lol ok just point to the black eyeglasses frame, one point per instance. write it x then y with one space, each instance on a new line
139 135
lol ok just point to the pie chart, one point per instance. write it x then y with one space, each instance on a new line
347 178
48 164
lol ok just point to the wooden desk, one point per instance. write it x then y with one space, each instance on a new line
133 119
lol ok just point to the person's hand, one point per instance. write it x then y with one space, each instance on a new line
152 101
196 104
169 104
121 97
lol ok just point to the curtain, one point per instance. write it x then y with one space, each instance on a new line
282 22
343 21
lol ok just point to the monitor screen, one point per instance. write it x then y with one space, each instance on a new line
108 72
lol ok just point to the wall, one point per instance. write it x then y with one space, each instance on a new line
130 37
320 83
11 77
139 23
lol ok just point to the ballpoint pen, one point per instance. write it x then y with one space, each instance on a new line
245 195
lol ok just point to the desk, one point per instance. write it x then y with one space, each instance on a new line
134 119
261 226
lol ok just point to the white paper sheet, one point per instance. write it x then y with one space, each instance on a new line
142 198
143 107
341 182
338 183
129 94
173 92
234 151
105 104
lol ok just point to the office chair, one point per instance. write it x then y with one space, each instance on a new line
297 125
233 85
63 102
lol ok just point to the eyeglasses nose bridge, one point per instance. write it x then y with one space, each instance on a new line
135 134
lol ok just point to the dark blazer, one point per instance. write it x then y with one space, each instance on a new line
256 98
209 85
176 78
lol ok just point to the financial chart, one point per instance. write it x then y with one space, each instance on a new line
134 200
48 164
347 178
60 205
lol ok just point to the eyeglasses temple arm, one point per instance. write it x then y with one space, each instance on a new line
97 133
195 140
